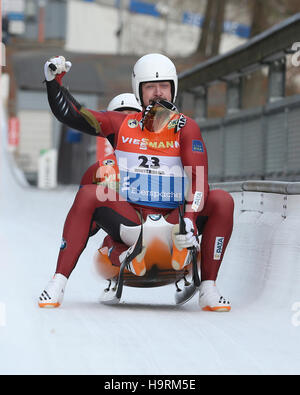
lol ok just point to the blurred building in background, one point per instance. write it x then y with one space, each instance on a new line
13 18
138 27
120 26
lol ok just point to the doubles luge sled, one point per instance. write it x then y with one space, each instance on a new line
156 234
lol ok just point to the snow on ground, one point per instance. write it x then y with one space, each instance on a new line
146 333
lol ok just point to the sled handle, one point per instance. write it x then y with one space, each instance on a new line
182 230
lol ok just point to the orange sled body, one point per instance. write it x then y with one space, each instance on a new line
158 239
158 263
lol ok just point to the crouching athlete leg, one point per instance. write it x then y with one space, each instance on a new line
109 210
215 223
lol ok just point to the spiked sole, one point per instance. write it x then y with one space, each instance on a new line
49 305
216 308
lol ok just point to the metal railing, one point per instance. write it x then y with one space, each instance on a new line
256 143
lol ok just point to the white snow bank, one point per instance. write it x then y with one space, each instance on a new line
264 251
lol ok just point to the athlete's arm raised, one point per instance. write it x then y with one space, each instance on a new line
67 109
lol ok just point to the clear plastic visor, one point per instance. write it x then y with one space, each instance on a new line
159 117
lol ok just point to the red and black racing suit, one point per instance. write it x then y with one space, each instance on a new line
214 221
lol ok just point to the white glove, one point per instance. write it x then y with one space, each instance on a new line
55 66
187 240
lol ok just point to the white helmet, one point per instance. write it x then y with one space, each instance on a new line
124 101
154 67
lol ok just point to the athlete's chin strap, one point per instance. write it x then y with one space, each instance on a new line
146 112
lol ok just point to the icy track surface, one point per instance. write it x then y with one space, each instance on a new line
146 333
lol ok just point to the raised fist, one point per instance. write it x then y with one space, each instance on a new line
56 65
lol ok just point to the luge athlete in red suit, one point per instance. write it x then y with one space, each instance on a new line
139 151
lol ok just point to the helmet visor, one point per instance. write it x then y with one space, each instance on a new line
159 116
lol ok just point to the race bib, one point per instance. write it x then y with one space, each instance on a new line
151 180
